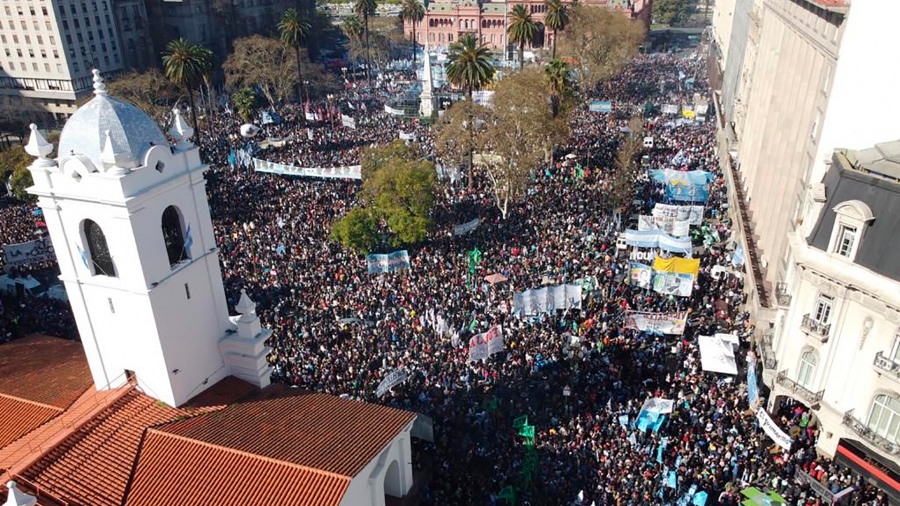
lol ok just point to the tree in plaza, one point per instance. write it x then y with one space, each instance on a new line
244 101
412 11
454 141
262 62
149 90
294 30
398 190
600 42
14 164
185 64
469 67
621 188
519 135
364 9
522 29
556 18
673 12
559 85
357 230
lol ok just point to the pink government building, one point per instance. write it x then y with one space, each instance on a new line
446 20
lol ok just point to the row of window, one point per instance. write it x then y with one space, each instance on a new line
34 67
43 53
84 9
11 24
99 260
40 39
21 12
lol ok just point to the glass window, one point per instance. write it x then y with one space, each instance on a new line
823 309
884 418
177 243
807 369
98 254
895 349
846 239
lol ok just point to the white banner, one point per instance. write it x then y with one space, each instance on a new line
693 214
658 405
483 345
393 112
348 172
673 283
716 355
25 253
773 430
547 299
407 137
466 227
347 121
669 109
665 323
669 225
393 379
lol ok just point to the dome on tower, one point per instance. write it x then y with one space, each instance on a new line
130 130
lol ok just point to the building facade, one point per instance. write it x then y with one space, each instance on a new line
446 20
838 343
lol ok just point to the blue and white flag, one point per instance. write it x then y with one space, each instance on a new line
188 240
83 254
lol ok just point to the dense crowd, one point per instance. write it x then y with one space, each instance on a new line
576 374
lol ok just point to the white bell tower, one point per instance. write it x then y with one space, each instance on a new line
131 228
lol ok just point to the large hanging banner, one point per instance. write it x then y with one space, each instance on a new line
392 262
348 172
348 122
25 253
640 275
658 239
663 323
773 430
684 186
600 106
486 344
671 226
547 299
669 109
716 355
393 379
466 227
673 283
658 405
752 384
677 264
693 214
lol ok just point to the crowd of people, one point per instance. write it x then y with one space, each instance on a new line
580 375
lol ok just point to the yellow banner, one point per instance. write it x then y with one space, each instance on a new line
676 264
688 114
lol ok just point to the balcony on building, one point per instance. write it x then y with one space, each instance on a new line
869 435
884 364
815 328
782 297
798 391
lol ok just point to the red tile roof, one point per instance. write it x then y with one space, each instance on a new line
176 470
312 430
227 391
93 464
44 369
21 417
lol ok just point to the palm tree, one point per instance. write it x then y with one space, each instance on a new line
469 67
414 12
522 29
556 77
366 8
294 30
244 103
184 64
556 18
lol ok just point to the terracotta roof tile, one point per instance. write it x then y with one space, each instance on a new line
21 417
227 391
93 464
177 470
44 369
312 430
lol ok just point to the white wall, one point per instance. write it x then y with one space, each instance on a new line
722 21
863 107
368 487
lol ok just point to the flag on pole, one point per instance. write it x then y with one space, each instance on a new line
83 254
188 240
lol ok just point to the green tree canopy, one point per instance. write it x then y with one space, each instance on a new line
522 30
412 11
673 12
185 63
244 101
357 230
14 164
293 30
556 18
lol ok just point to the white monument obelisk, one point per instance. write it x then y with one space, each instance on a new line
426 99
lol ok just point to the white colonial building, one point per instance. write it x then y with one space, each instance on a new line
838 344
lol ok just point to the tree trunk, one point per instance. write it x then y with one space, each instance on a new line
299 76
554 43
471 138
414 44
521 54
193 112
368 59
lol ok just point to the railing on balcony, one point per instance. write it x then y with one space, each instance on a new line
812 326
799 390
817 488
869 435
886 364
782 297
